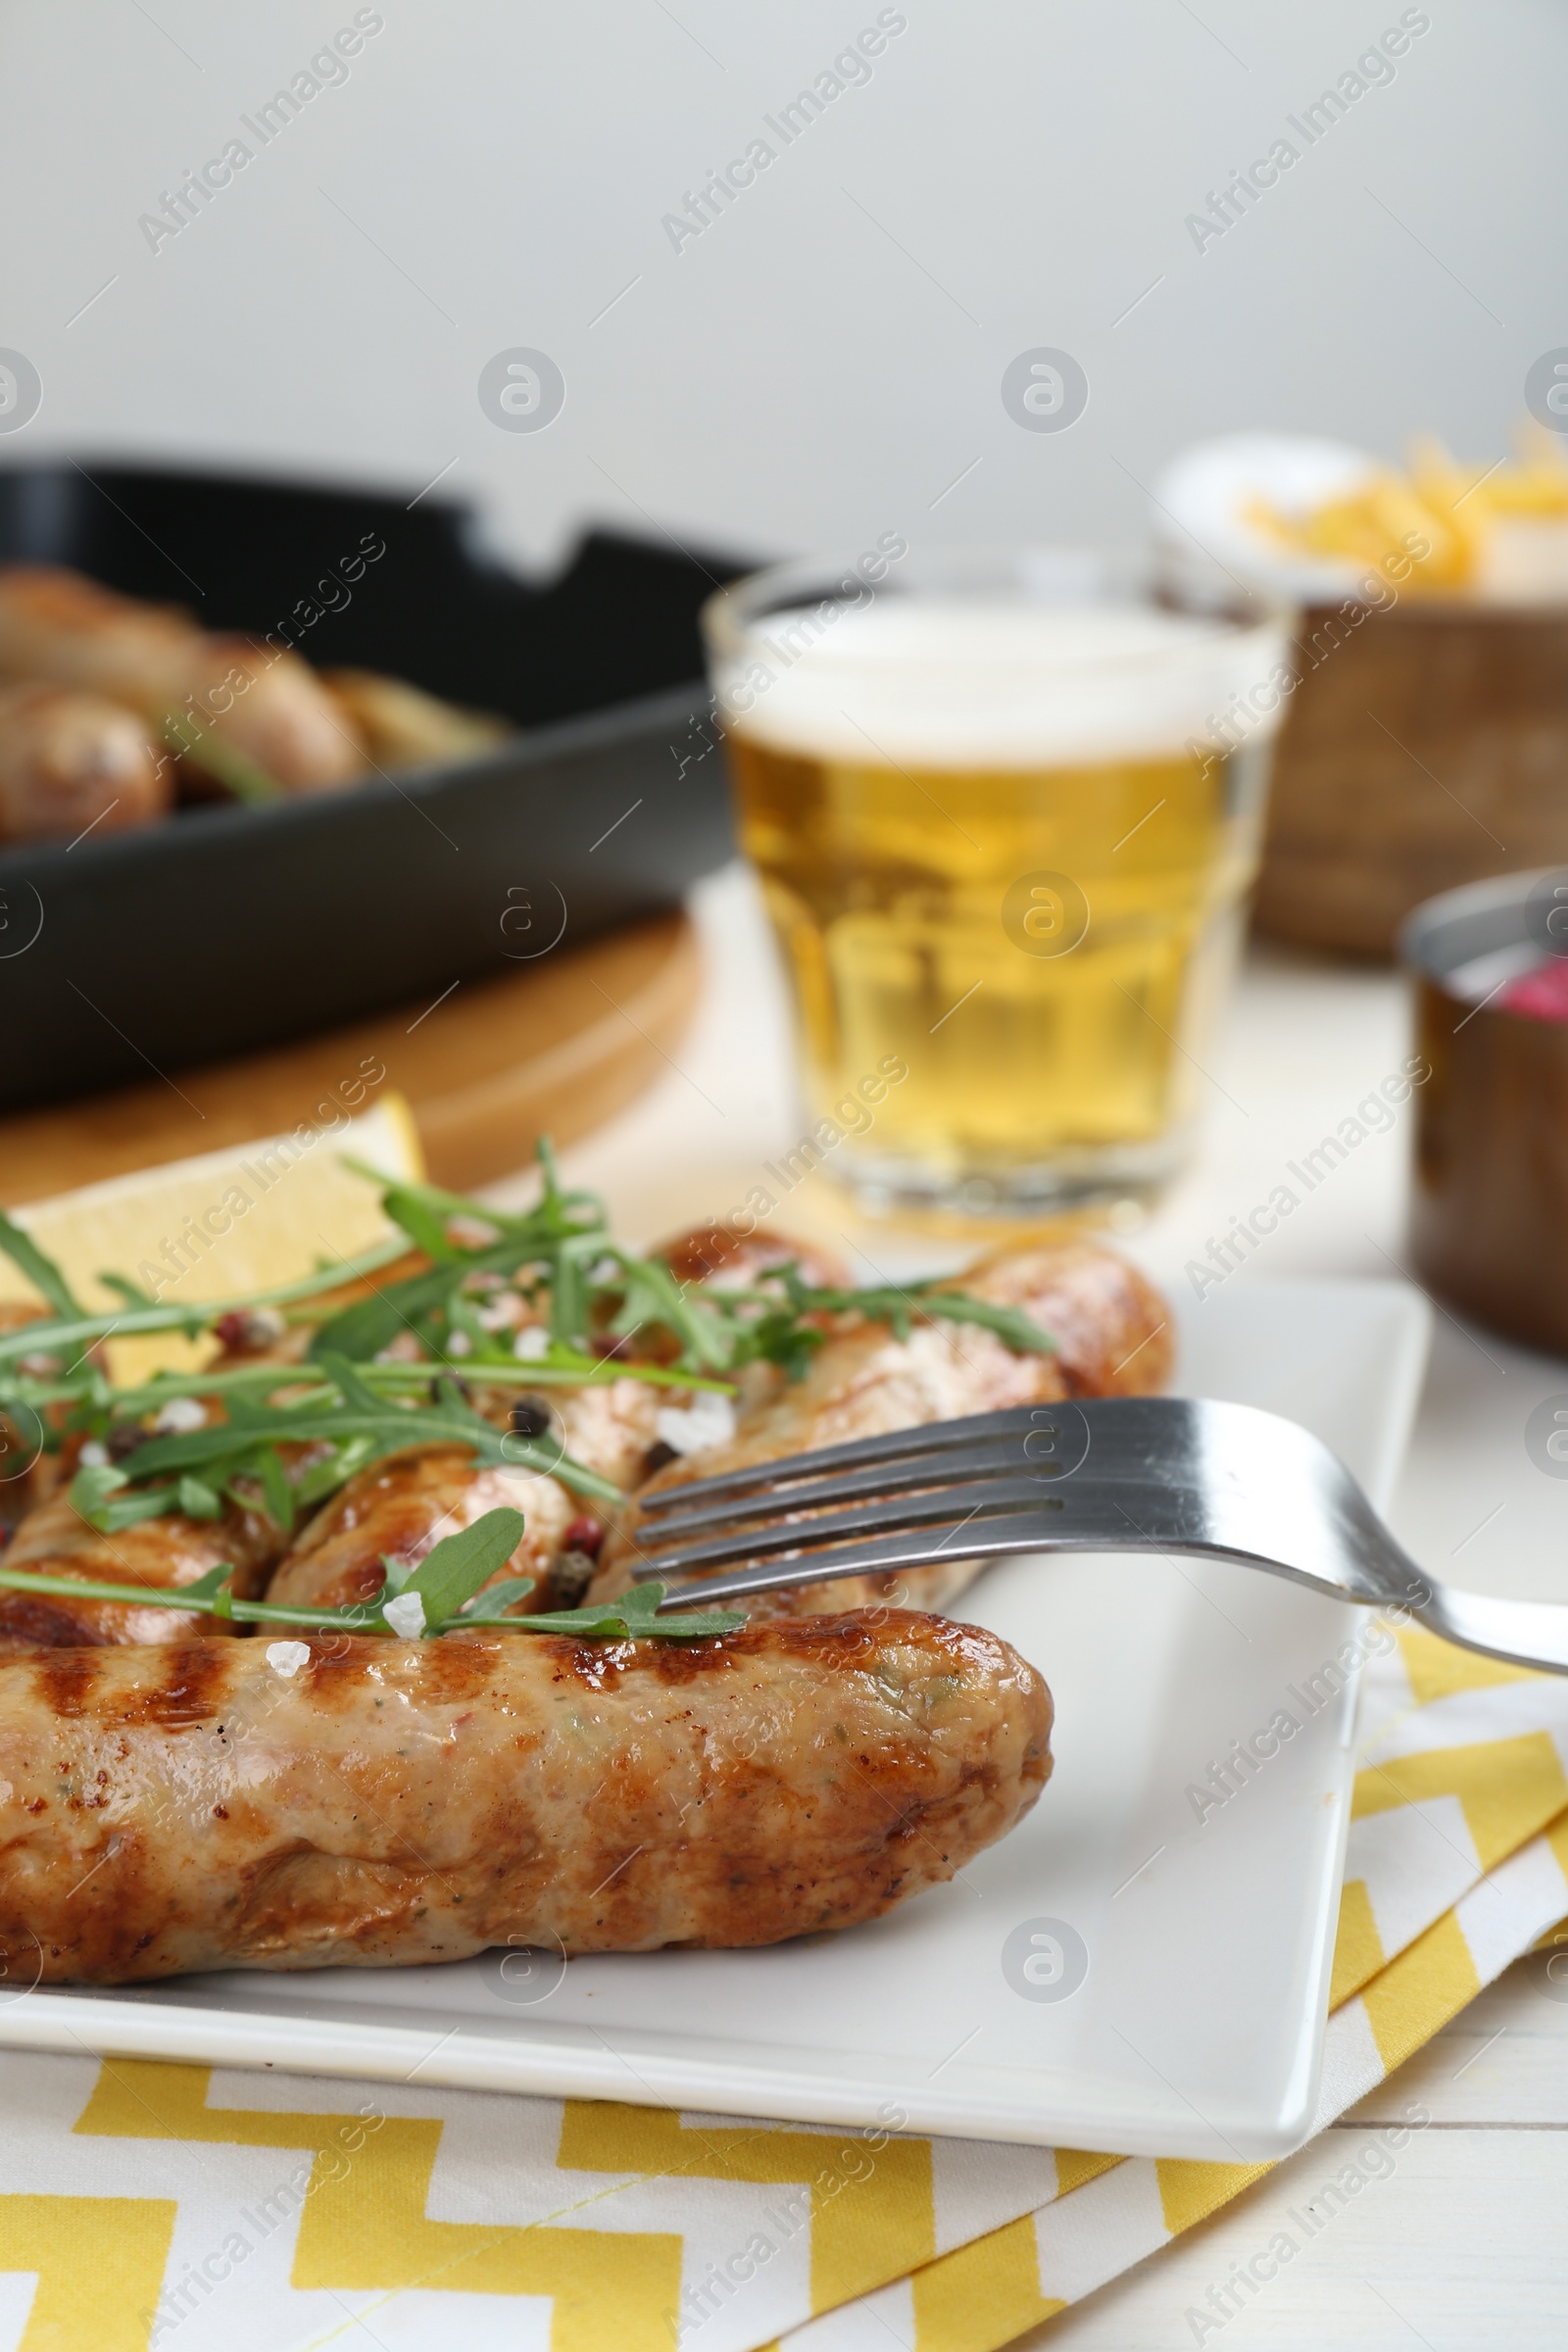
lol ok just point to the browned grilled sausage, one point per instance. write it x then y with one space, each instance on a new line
1111 1328
273 708
863 1381
401 1507
58 625
70 761
161 1553
721 1254
55 625
395 1803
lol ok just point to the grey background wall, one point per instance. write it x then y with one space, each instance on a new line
824 360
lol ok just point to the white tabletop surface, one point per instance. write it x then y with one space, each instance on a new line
1466 2242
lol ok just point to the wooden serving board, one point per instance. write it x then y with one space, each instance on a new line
555 1049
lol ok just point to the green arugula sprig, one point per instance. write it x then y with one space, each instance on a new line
192 1470
898 1309
448 1583
435 1221
772 1324
347 1406
216 757
71 1332
41 1271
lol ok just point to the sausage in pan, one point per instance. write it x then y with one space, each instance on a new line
55 625
72 762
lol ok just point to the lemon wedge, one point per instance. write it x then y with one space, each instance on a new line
231 1222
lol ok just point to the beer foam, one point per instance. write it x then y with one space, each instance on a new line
945 681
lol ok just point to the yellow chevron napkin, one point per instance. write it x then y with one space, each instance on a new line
147 2205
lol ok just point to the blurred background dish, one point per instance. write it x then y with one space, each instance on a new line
249 922
1489 1207
1426 742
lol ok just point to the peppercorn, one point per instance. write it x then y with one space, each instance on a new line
530 1417
571 1574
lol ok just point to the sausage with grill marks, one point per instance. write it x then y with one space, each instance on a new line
1112 1330
214 1805
161 1553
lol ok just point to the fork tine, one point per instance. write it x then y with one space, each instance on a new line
919 1548
945 1506
957 1467
930 1437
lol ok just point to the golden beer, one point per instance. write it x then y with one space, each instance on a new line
1012 849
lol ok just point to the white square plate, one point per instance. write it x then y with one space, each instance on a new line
1198 2028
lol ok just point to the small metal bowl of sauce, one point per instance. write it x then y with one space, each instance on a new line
1488 1209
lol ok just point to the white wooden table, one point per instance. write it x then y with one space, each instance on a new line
1467 2241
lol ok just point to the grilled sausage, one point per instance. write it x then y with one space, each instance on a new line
161 1553
395 1803
273 708
70 763
721 1254
57 626
60 626
402 1506
1112 1330
865 1381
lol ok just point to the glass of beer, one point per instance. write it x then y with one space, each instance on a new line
1005 809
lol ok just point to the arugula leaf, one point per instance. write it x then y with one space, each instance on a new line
425 1213
75 1329
41 1271
494 1601
425 1210
95 1496
93 1488
453 1571
654 1296
334 1470
278 1494
219 758
626 1619
888 1303
632 1616
569 1287
358 1396
210 1591
127 1291
371 1324
1018 1331
363 1427
196 1500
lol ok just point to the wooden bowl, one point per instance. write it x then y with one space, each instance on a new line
1489 1207
1423 746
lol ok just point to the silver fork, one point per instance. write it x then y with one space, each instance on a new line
1108 1474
